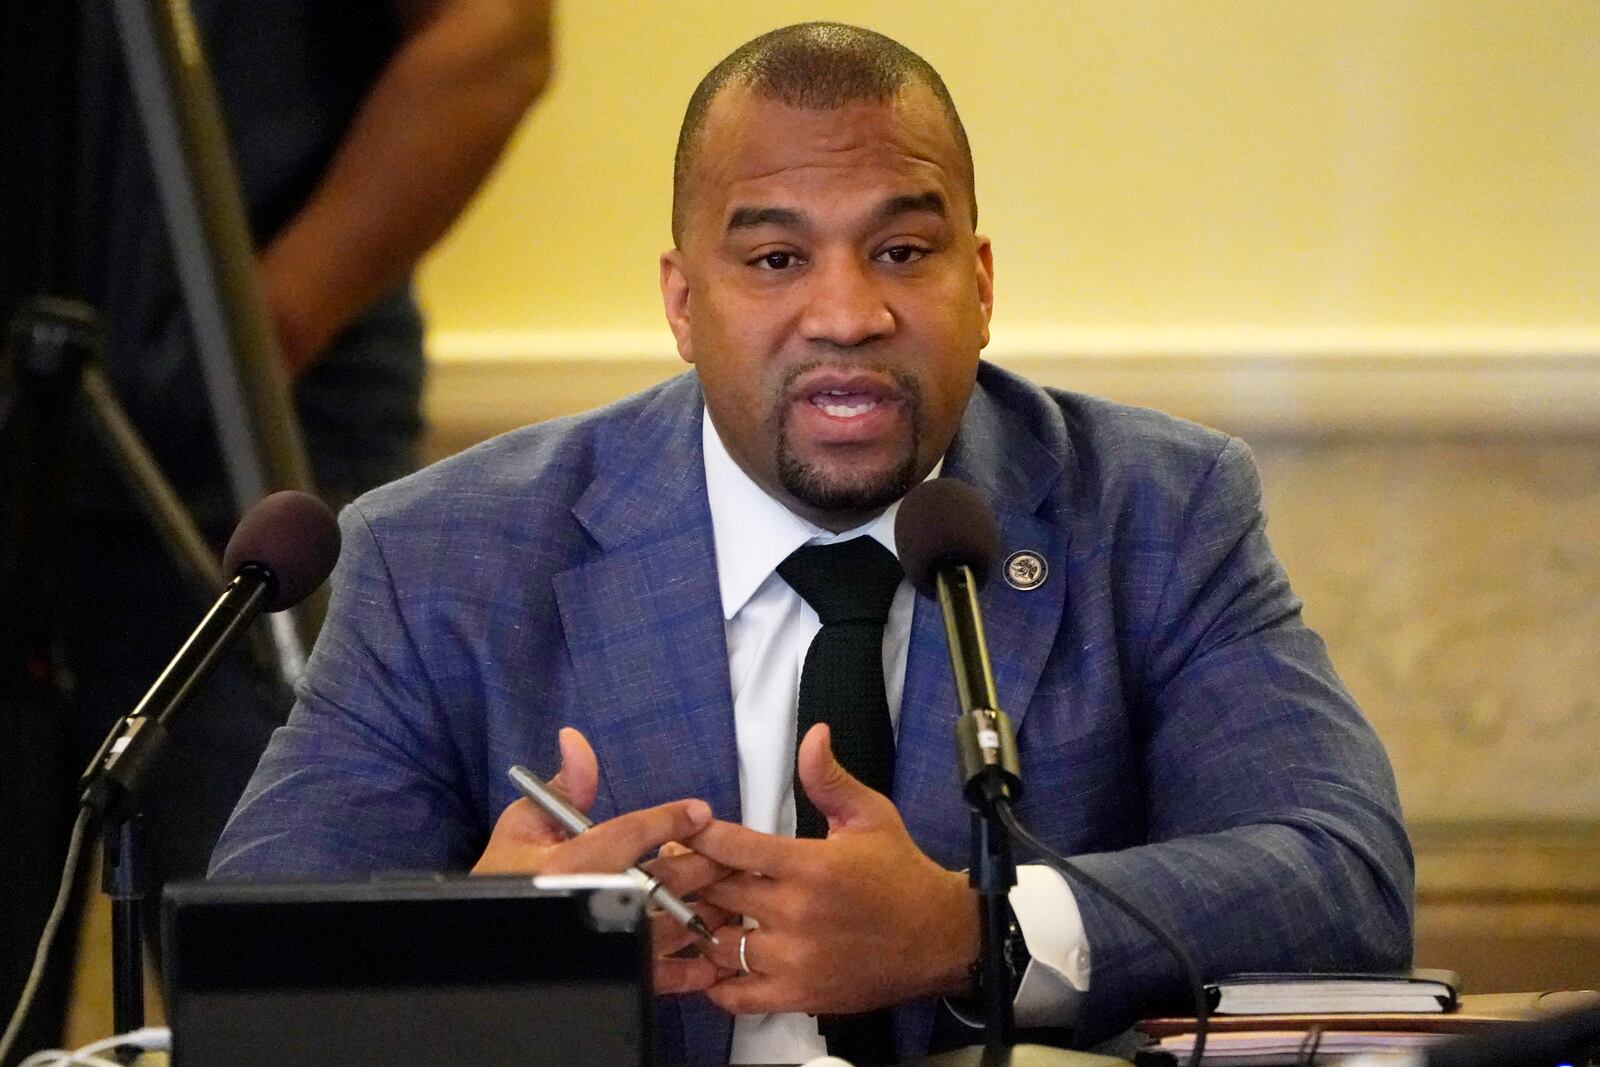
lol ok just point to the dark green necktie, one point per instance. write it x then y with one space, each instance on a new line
851 585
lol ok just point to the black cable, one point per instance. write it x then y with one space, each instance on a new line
1070 871
69 872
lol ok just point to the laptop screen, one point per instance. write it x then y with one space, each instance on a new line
481 970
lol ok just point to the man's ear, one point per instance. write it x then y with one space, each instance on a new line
985 268
675 299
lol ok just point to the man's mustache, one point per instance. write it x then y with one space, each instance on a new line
904 387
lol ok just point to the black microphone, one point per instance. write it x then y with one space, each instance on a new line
281 550
947 541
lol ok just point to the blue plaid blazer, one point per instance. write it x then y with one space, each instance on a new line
1181 731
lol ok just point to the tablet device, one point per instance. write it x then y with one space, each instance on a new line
495 970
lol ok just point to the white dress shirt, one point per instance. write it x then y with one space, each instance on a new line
769 629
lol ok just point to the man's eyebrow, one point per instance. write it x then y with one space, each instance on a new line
744 218
912 203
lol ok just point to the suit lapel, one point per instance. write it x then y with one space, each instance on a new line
643 619
644 632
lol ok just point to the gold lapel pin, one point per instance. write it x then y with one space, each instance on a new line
1026 570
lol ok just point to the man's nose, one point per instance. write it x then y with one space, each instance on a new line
845 305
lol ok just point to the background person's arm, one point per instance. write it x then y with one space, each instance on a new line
423 141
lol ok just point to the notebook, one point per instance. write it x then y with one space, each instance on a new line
1272 993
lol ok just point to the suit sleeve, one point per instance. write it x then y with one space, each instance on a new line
1276 841
358 780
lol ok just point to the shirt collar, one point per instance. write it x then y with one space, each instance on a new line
754 533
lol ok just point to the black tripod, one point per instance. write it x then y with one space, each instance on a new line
49 378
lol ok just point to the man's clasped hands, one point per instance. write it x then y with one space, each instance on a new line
858 920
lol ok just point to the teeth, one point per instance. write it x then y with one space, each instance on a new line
845 411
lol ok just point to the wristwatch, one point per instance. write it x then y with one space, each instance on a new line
1015 951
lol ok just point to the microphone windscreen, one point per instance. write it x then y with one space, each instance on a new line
294 536
943 522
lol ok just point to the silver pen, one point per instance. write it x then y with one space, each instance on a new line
575 822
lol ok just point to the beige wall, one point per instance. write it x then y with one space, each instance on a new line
1157 176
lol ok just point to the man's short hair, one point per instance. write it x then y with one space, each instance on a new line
820 66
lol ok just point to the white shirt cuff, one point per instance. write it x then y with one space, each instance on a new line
1052 927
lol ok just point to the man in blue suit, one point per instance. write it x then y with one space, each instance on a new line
1181 732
